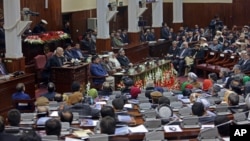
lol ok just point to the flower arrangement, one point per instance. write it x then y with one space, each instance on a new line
46 37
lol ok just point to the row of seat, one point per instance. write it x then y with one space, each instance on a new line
215 61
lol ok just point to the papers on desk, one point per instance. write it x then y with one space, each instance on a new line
54 114
71 139
88 122
138 129
83 133
172 128
121 130
134 101
185 100
130 106
207 126
124 118
101 102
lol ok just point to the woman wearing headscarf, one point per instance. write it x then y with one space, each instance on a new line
192 79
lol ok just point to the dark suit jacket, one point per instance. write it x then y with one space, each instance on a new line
164 33
124 61
52 62
98 70
39 29
186 53
245 67
124 38
8 137
173 51
199 53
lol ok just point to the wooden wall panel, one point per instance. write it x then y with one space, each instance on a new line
52 14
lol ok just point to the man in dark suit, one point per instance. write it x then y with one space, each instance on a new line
96 69
173 51
123 59
164 31
40 27
179 62
5 136
124 36
245 66
55 61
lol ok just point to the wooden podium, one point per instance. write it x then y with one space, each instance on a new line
64 76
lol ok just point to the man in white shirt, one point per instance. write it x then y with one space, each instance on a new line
113 59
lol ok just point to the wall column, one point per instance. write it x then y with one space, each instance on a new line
157 17
14 59
178 11
133 19
103 37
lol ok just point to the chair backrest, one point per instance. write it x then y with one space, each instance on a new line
49 54
185 111
154 136
25 106
65 125
239 117
176 104
209 134
50 138
152 124
149 114
145 106
40 61
28 116
99 137
190 121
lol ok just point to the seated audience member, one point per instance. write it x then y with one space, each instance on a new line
223 130
30 136
5 136
245 66
149 35
233 103
150 87
215 46
224 76
134 92
74 103
3 70
203 43
173 51
118 41
108 125
107 65
88 44
128 83
14 117
179 62
42 101
20 94
124 36
93 93
42 111
213 77
118 104
106 89
192 79
207 85
236 85
200 109
155 95
123 59
113 59
163 100
66 116
214 93
51 91
96 69
77 52
107 110
55 61
53 127
68 52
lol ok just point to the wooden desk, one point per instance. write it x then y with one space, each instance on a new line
159 49
8 87
135 52
64 76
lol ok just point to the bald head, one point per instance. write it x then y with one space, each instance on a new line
59 51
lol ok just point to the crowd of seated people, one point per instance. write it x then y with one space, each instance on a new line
119 38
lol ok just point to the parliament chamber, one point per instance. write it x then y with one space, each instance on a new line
149 58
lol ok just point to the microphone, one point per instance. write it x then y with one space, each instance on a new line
31 13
